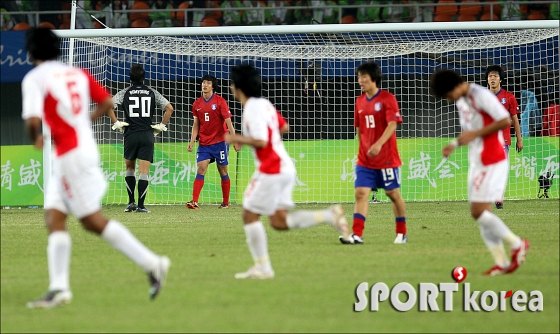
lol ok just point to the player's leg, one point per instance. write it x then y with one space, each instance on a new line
203 157
365 181
282 220
130 155
59 247
120 237
391 183
130 180
486 184
144 169
222 164
259 199
145 158
500 202
59 243
88 187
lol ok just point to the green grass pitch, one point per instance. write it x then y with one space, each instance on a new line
316 276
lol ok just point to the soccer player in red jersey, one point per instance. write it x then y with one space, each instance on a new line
495 75
376 117
482 119
59 95
212 120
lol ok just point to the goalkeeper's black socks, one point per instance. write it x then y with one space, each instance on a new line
130 180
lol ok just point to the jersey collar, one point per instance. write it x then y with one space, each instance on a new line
374 96
211 96
498 93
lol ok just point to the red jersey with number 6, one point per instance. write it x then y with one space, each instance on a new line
371 117
211 115
509 102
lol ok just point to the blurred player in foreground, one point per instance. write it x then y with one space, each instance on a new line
60 95
212 119
482 119
269 192
494 76
376 116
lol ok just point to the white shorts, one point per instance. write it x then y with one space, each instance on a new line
487 184
77 185
268 193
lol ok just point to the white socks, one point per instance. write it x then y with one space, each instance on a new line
58 257
258 245
305 219
122 240
493 231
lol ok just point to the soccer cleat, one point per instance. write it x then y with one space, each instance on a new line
52 299
157 276
131 207
142 210
357 240
499 205
192 205
495 271
339 222
255 273
518 256
352 240
401 238
223 206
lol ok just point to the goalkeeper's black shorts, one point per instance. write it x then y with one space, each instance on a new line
139 145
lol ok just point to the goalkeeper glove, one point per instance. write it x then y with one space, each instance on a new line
159 128
119 126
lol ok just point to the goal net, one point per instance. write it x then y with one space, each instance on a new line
310 78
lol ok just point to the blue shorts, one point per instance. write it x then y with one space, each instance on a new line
387 178
216 152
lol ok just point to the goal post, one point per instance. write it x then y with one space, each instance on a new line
309 74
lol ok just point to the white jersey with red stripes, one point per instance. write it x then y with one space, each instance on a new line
260 121
60 95
476 110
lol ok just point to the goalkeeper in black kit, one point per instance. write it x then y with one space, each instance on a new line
139 104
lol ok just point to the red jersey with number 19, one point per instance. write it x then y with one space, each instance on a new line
371 117
211 115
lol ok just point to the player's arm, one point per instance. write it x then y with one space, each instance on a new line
32 105
34 129
167 114
515 122
283 125
258 135
517 128
231 131
501 117
194 133
468 136
244 140
376 147
103 108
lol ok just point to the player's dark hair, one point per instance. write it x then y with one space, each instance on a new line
494 68
137 74
372 69
444 81
247 78
42 44
212 79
